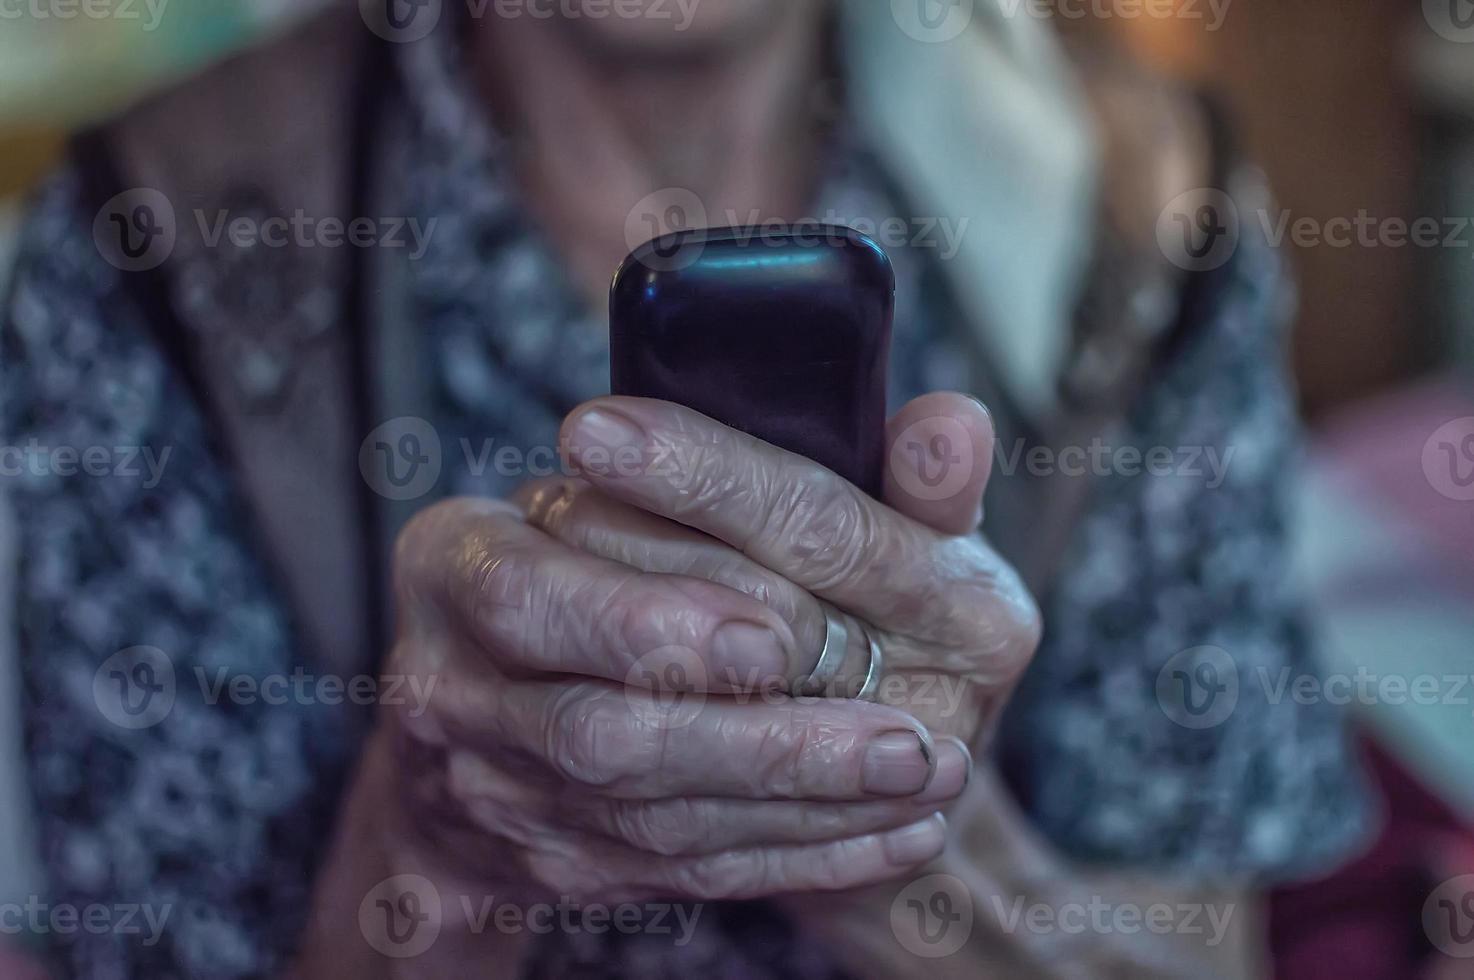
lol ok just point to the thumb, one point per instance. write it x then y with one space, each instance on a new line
939 455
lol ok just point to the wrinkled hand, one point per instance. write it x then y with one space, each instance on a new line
613 656
955 624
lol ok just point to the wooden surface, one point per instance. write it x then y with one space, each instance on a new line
1321 95
24 156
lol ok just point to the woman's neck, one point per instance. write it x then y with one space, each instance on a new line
599 132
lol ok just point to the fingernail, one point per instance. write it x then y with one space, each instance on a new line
954 769
609 429
992 425
897 763
748 656
917 843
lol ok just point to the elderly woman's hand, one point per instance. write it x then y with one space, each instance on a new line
616 660
669 491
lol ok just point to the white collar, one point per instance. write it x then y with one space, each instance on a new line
989 126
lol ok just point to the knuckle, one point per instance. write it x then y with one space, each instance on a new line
823 525
488 576
576 737
566 871
1003 627
823 822
589 737
1029 631
1017 631
413 545
447 548
550 502
833 866
700 468
726 876
982 610
669 828
624 613
782 755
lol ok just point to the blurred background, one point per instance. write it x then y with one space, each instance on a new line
1349 107
1353 108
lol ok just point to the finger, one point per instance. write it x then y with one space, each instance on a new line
582 517
577 514
610 869
807 524
626 743
705 825
537 605
939 460
835 866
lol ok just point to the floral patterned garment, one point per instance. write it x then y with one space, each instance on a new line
221 812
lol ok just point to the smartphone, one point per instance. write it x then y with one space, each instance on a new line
783 336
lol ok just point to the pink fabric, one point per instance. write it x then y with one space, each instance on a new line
1365 921
1375 453
17 966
